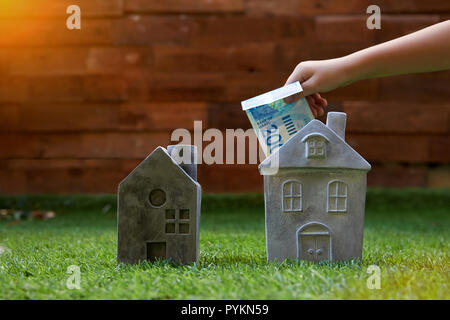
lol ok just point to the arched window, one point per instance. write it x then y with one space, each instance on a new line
337 196
292 196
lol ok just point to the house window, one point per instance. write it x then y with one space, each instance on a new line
315 145
177 221
157 198
337 196
316 148
292 196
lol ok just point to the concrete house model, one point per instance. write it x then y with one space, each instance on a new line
159 208
315 200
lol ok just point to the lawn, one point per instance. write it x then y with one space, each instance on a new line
406 235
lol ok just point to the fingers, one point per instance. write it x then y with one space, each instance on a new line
319 101
317 104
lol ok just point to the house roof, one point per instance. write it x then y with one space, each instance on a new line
292 154
159 155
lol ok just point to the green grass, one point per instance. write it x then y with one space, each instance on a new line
406 235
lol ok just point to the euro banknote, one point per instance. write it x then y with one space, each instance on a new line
275 121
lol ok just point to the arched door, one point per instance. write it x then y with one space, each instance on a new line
314 242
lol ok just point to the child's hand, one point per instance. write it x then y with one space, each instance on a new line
315 77
422 51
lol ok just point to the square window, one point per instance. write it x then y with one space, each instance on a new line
315 148
170 227
170 213
183 228
184 214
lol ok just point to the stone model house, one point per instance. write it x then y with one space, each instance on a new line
315 199
159 208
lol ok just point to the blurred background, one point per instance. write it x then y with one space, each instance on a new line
79 109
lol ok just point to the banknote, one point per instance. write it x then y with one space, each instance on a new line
275 121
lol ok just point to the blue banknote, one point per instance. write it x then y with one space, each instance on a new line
275 121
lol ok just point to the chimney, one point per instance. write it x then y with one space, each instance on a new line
186 157
336 122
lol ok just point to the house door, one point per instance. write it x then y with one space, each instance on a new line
156 250
314 243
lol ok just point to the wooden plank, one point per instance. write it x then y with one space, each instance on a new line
228 30
9 117
316 7
13 89
107 145
48 61
273 8
58 164
396 117
183 6
440 148
186 87
361 90
5 58
107 60
394 26
239 58
100 88
162 116
409 148
413 6
340 29
242 86
56 88
51 117
230 178
63 176
426 88
439 177
96 88
52 8
149 30
12 182
53 32
395 175
227 116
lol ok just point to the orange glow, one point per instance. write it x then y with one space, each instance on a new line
11 8
29 22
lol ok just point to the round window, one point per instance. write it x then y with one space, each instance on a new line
157 197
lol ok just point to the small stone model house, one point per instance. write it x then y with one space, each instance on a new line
159 208
315 200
